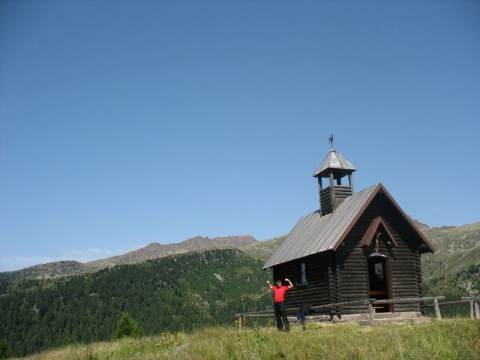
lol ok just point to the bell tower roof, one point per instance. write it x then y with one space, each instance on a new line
336 163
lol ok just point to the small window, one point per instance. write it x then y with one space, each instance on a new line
379 271
302 273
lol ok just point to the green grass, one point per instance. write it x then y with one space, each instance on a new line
446 339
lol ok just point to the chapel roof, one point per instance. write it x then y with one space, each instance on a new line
315 233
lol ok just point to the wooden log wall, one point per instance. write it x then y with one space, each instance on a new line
326 201
316 291
404 260
353 274
340 192
418 268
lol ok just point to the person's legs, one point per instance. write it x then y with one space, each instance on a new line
278 317
283 314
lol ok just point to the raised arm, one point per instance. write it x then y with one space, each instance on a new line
290 283
269 285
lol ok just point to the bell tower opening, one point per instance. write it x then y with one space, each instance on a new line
334 168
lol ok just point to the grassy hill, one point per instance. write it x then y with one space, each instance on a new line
446 339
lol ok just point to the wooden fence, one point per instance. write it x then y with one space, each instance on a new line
474 307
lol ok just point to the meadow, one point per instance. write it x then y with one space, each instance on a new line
445 339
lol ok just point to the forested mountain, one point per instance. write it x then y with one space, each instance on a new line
174 293
454 269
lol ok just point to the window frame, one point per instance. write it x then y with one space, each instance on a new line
302 278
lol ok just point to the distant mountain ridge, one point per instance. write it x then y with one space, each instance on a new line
46 271
156 250
454 268
149 252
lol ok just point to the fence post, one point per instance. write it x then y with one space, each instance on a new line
477 310
472 309
437 309
370 312
242 322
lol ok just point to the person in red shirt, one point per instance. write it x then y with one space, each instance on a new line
279 299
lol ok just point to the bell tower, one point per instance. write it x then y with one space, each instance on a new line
333 168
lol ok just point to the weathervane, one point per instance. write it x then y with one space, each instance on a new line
330 141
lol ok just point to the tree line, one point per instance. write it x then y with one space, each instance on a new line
175 293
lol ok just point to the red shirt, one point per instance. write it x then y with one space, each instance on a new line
280 293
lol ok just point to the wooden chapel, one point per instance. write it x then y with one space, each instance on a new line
356 246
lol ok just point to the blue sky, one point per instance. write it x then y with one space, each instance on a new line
124 123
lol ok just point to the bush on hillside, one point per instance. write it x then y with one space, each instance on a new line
127 327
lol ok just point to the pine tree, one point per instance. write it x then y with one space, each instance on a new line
126 327
5 351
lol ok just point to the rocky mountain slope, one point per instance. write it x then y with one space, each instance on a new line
156 250
46 271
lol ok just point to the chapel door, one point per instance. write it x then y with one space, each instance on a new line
379 282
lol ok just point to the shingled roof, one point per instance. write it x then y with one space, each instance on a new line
334 160
315 233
